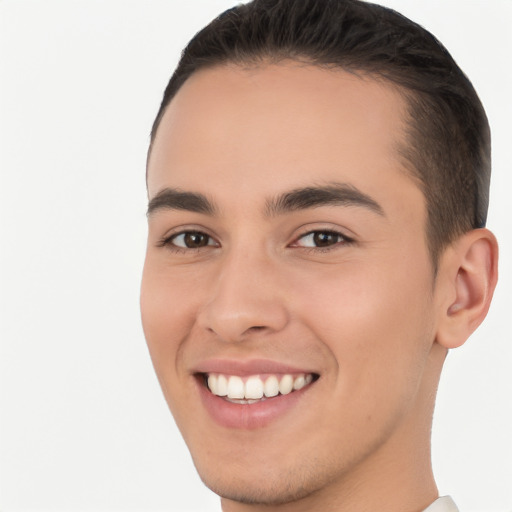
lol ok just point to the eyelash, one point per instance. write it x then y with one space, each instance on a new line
168 241
344 241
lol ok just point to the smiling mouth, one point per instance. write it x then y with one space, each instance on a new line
252 389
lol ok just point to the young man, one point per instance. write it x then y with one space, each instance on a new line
318 180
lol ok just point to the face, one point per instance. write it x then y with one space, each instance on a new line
287 267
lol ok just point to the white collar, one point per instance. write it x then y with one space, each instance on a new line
444 504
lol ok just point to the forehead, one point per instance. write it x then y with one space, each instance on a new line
286 124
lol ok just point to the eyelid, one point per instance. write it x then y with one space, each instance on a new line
166 239
346 239
174 238
169 236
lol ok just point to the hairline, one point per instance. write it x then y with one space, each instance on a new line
404 147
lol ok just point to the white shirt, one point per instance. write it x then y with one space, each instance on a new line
444 504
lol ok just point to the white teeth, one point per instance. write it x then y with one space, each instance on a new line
212 383
222 386
271 387
286 385
299 382
254 389
236 388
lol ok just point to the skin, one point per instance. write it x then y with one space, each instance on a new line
365 313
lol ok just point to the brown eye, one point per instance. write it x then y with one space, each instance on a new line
325 238
191 240
321 239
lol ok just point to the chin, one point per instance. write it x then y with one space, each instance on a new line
243 486
252 493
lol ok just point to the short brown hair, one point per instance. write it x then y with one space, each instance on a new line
448 137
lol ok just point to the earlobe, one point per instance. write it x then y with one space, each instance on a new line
470 274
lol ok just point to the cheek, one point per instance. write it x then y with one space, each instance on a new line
167 318
375 320
375 329
166 315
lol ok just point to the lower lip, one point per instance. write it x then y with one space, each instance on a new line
248 416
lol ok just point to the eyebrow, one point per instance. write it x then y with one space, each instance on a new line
339 194
174 199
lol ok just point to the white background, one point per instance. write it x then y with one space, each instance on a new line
83 422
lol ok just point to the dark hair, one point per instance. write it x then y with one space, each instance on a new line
448 140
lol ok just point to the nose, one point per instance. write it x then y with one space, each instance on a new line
246 298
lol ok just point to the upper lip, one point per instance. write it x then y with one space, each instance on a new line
247 367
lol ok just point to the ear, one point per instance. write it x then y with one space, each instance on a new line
469 272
